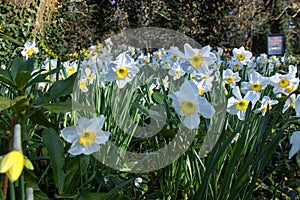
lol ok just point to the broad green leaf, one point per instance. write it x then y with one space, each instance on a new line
62 87
59 88
39 117
20 64
60 107
42 76
22 78
56 155
5 77
72 179
5 103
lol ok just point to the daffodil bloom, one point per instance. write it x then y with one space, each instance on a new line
123 70
235 65
242 55
198 59
230 77
238 105
176 71
266 104
290 102
29 49
86 136
13 163
203 82
70 68
285 84
188 104
256 84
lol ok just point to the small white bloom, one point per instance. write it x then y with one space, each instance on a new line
231 77
238 105
176 71
123 70
29 49
285 84
266 104
188 104
255 85
85 136
198 59
290 102
242 55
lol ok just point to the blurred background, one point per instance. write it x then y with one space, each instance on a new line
62 27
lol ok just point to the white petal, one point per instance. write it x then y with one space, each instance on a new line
188 51
102 137
295 141
205 108
76 149
70 134
92 148
191 121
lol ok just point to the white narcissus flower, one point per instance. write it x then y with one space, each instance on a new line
188 104
29 49
123 70
290 102
176 71
238 105
256 84
230 77
286 83
266 104
198 59
86 136
242 55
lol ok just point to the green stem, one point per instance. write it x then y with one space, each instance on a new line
22 187
11 191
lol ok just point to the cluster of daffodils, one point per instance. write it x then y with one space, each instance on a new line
257 81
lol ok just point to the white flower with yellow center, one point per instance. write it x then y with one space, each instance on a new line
242 55
198 59
285 84
83 83
238 105
29 49
290 102
176 71
86 136
188 104
230 77
70 68
235 65
123 70
255 85
266 104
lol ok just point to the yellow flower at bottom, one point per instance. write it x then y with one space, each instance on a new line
12 164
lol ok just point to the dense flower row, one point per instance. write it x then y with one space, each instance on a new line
245 78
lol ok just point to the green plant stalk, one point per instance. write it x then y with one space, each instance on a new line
22 187
11 191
